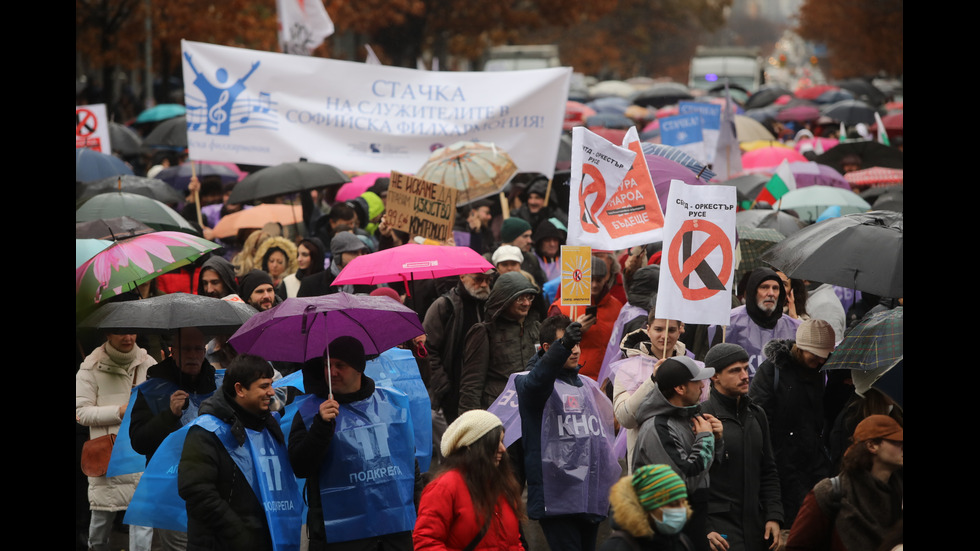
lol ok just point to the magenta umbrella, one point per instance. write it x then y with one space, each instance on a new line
358 185
411 262
663 170
769 156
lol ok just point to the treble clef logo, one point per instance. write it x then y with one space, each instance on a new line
216 113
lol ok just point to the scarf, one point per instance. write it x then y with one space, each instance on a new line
120 358
335 271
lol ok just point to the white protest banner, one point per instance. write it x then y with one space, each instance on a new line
92 128
684 133
698 264
710 124
598 169
263 108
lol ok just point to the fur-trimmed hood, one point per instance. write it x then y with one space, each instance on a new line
627 513
287 247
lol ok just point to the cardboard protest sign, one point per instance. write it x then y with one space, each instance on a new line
419 207
697 268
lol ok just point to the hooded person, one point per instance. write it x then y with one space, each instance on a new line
217 278
499 346
759 320
344 247
642 289
547 239
649 509
276 256
535 209
326 448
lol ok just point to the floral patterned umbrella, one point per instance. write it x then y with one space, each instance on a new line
131 262
476 169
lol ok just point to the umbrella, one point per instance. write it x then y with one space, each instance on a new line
798 113
663 170
769 157
813 92
612 88
179 177
300 328
863 90
876 342
124 140
783 222
256 217
171 133
411 262
476 169
169 312
286 178
850 112
748 129
894 201
870 152
817 145
809 173
679 156
112 229
857 251
86 248
833 96
748 185
358 185
131 262
662 94
876 176
609 120
751 244
91 165
894 123
148 187
765 96
144 209
810 201
610 104
161 112
758 144
575 114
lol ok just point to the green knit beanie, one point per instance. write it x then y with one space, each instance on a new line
657 485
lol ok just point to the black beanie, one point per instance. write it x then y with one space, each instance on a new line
350 350
252 280
723 355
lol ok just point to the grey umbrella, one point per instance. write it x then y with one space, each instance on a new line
286 178
149 187
166 313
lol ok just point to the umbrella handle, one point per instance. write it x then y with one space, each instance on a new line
305 328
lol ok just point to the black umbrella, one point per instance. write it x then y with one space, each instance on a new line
862 251
863 90
124 140
870 152
171 133
748 185
169 312
286 178
765 96
112 229
609 120
850 112
662 95
778 220
149 187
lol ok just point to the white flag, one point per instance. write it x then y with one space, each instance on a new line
728 156
598 169
372 58
303 25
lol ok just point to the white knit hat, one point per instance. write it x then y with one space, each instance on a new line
468 428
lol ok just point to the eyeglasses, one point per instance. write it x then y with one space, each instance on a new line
525 298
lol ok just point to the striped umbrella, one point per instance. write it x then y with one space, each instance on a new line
876 176
874 343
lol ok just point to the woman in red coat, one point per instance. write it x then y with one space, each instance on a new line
475 501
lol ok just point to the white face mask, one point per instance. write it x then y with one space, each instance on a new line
674 520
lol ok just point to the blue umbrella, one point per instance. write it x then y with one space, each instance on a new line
161 112
91 165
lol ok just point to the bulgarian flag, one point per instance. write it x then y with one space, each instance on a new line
777 186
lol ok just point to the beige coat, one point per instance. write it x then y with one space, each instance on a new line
101 386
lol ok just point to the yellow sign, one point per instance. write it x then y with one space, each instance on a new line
576 275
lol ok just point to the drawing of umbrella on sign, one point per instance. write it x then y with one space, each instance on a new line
476 169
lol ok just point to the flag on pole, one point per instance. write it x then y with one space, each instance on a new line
842 137
777 186
728 156
882 135
303 25
372 58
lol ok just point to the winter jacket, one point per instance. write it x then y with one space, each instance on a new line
223 511
613 352
447 520
596 338
744 490
147 429
497 347
631 528
858 517
795 410
102 384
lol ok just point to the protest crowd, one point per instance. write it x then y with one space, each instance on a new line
561 384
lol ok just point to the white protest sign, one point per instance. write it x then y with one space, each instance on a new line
698 267
598 169
264 108
92 128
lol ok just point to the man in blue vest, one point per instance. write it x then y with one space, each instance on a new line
354 444
234 472
567 433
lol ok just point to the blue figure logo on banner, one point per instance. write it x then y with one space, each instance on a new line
221 111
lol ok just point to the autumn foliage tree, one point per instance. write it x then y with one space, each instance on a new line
863 37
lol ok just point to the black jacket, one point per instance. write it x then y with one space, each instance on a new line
223 511
744 488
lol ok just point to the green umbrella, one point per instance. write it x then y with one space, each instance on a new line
874 343
144 209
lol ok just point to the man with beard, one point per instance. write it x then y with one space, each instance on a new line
257 290
217 278
759 320
446 324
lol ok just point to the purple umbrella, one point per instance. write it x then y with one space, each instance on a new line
299 329
663 170
816 174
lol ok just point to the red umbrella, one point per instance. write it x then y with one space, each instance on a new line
769 156
813 92
894 123
575 114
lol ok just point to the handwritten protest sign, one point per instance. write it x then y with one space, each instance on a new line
420 207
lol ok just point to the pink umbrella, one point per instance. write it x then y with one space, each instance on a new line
410 262
575 114
769 157
358 185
